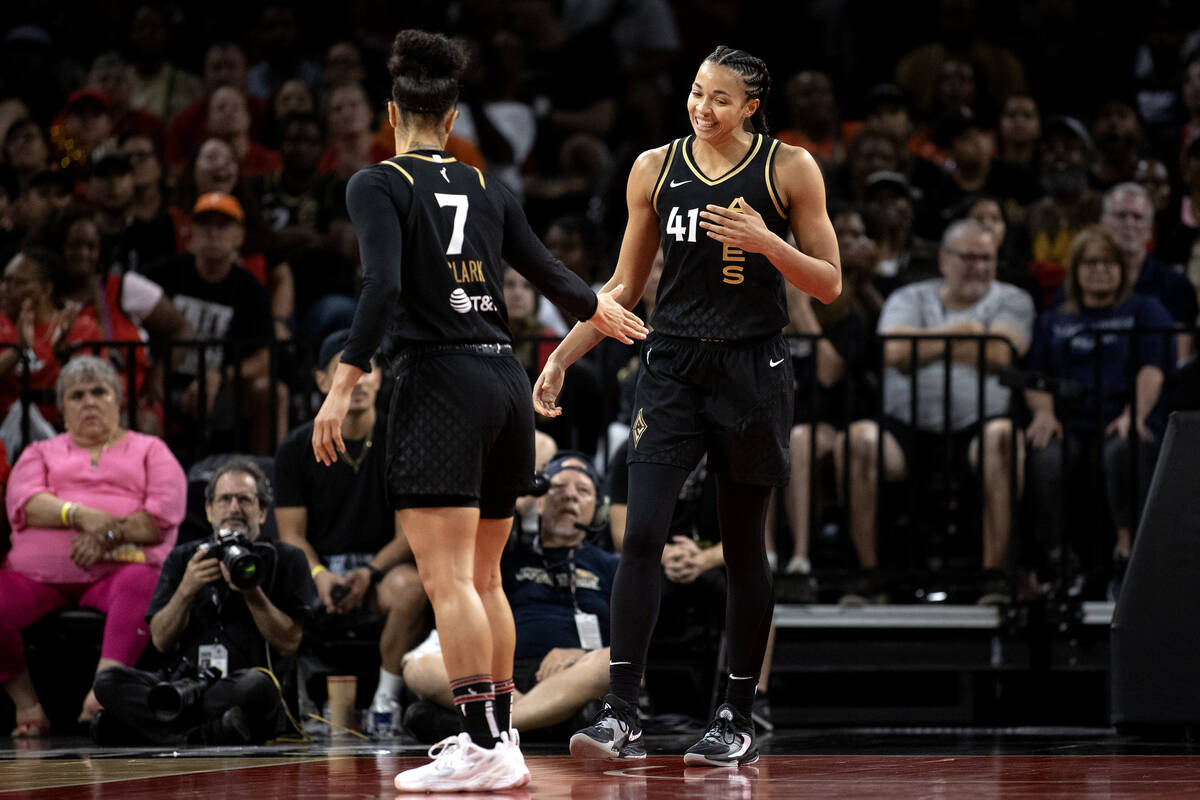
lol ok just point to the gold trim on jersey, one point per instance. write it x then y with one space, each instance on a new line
663 175
771 192
746 159
402 170
477 171
430 159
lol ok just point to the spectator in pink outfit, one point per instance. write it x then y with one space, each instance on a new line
94 512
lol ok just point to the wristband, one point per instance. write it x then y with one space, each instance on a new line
317 570
67 514
376 573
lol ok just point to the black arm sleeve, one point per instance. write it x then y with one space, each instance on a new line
377 225
528 256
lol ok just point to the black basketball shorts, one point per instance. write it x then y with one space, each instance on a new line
733 400
460 432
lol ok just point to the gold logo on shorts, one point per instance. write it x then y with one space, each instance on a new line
639 427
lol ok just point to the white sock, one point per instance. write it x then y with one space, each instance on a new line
389 685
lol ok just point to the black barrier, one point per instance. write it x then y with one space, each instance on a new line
297 378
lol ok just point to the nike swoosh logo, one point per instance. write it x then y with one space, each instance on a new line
775 363
633 737
680 183
648 349
741 751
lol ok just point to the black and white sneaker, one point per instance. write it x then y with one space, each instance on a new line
614 734
729 741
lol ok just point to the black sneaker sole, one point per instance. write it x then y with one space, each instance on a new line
584 746
698 760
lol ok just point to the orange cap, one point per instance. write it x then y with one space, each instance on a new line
219 203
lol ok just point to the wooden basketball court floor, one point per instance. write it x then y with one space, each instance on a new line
948 764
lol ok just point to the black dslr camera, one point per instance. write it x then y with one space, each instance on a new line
237 552
187 684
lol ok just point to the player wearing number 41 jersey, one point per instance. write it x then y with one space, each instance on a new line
432 234
715 375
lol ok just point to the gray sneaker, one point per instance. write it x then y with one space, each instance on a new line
614 734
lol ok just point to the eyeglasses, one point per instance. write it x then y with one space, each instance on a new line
973 258
242 500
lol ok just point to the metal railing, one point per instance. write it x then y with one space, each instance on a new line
856 383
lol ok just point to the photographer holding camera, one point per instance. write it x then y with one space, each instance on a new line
227 612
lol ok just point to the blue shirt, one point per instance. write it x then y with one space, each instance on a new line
1061 350
538 587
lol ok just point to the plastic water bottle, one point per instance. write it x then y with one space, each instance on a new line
384 717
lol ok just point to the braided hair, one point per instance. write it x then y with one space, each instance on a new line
754 74
425 69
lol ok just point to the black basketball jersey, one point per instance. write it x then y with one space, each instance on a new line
709 290
434 236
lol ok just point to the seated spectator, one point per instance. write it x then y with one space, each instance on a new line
1098 409
1178 240
278 40
888 112
149 185
224 65
1117 132
1154 177
1014 165
158 86
128 242
824 405
229 119
869 153
349 122
1069 205
1129 215
340 518
199 617
84 123
94 512
26 149
306 210
292 97
222 301
42 330
560 662
112 75
214 168
533 342
124 306
47 190
1012 260
966 300
904 256
813 120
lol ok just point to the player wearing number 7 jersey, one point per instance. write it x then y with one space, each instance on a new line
720 202
434 236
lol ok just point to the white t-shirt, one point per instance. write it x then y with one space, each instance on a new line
139 296
919 305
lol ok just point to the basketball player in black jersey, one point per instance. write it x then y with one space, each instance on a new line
432 234
715 374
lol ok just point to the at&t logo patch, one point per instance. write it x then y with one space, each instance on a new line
463 303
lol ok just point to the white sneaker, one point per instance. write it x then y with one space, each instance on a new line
460 765
798 565
513 739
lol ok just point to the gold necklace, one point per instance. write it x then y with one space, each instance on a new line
355 463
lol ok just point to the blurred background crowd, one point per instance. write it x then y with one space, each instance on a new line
173 173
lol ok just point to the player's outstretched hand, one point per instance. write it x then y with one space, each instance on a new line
545 391
327 427
613 319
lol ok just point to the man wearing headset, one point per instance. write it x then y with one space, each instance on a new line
558 585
